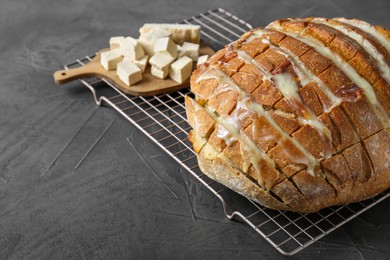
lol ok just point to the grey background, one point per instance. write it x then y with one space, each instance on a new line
115 206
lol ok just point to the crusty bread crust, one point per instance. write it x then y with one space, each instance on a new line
295 116
220 170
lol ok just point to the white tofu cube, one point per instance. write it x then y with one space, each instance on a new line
132 49
116 42
167 46
179 50
202 59
110 59
161 60
149 39
159 73
141 63
181 69
128 41
128 72
189 49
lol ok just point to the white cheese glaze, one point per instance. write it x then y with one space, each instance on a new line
368 28
256 153
306 77
346 68
383 67
231 122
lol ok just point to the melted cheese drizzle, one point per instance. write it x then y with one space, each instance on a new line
346 68
308 159
365 44
231 124
224 134
368 28
306 77
289 89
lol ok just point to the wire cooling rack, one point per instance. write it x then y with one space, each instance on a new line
162 118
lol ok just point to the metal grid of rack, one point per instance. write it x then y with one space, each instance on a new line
162 118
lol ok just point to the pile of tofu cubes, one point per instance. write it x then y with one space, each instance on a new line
170 49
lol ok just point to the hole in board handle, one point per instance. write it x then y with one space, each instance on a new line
63 73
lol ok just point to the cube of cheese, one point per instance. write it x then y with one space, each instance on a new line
189 49
181 69
159 73
115 42
141 63
128 72
149 39
132 49
161 60
202 59
110 59
167 46
128 41
160 64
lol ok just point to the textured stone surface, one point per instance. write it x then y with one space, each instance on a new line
127 200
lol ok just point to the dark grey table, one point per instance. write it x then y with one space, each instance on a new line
127 199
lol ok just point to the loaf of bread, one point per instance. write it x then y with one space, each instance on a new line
295 116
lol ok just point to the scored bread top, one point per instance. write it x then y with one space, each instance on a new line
296 115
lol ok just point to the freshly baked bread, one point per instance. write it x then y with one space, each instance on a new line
295 116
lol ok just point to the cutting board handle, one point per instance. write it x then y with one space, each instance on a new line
88 70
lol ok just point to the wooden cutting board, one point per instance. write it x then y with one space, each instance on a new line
148 86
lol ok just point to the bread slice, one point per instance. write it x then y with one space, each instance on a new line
296 115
